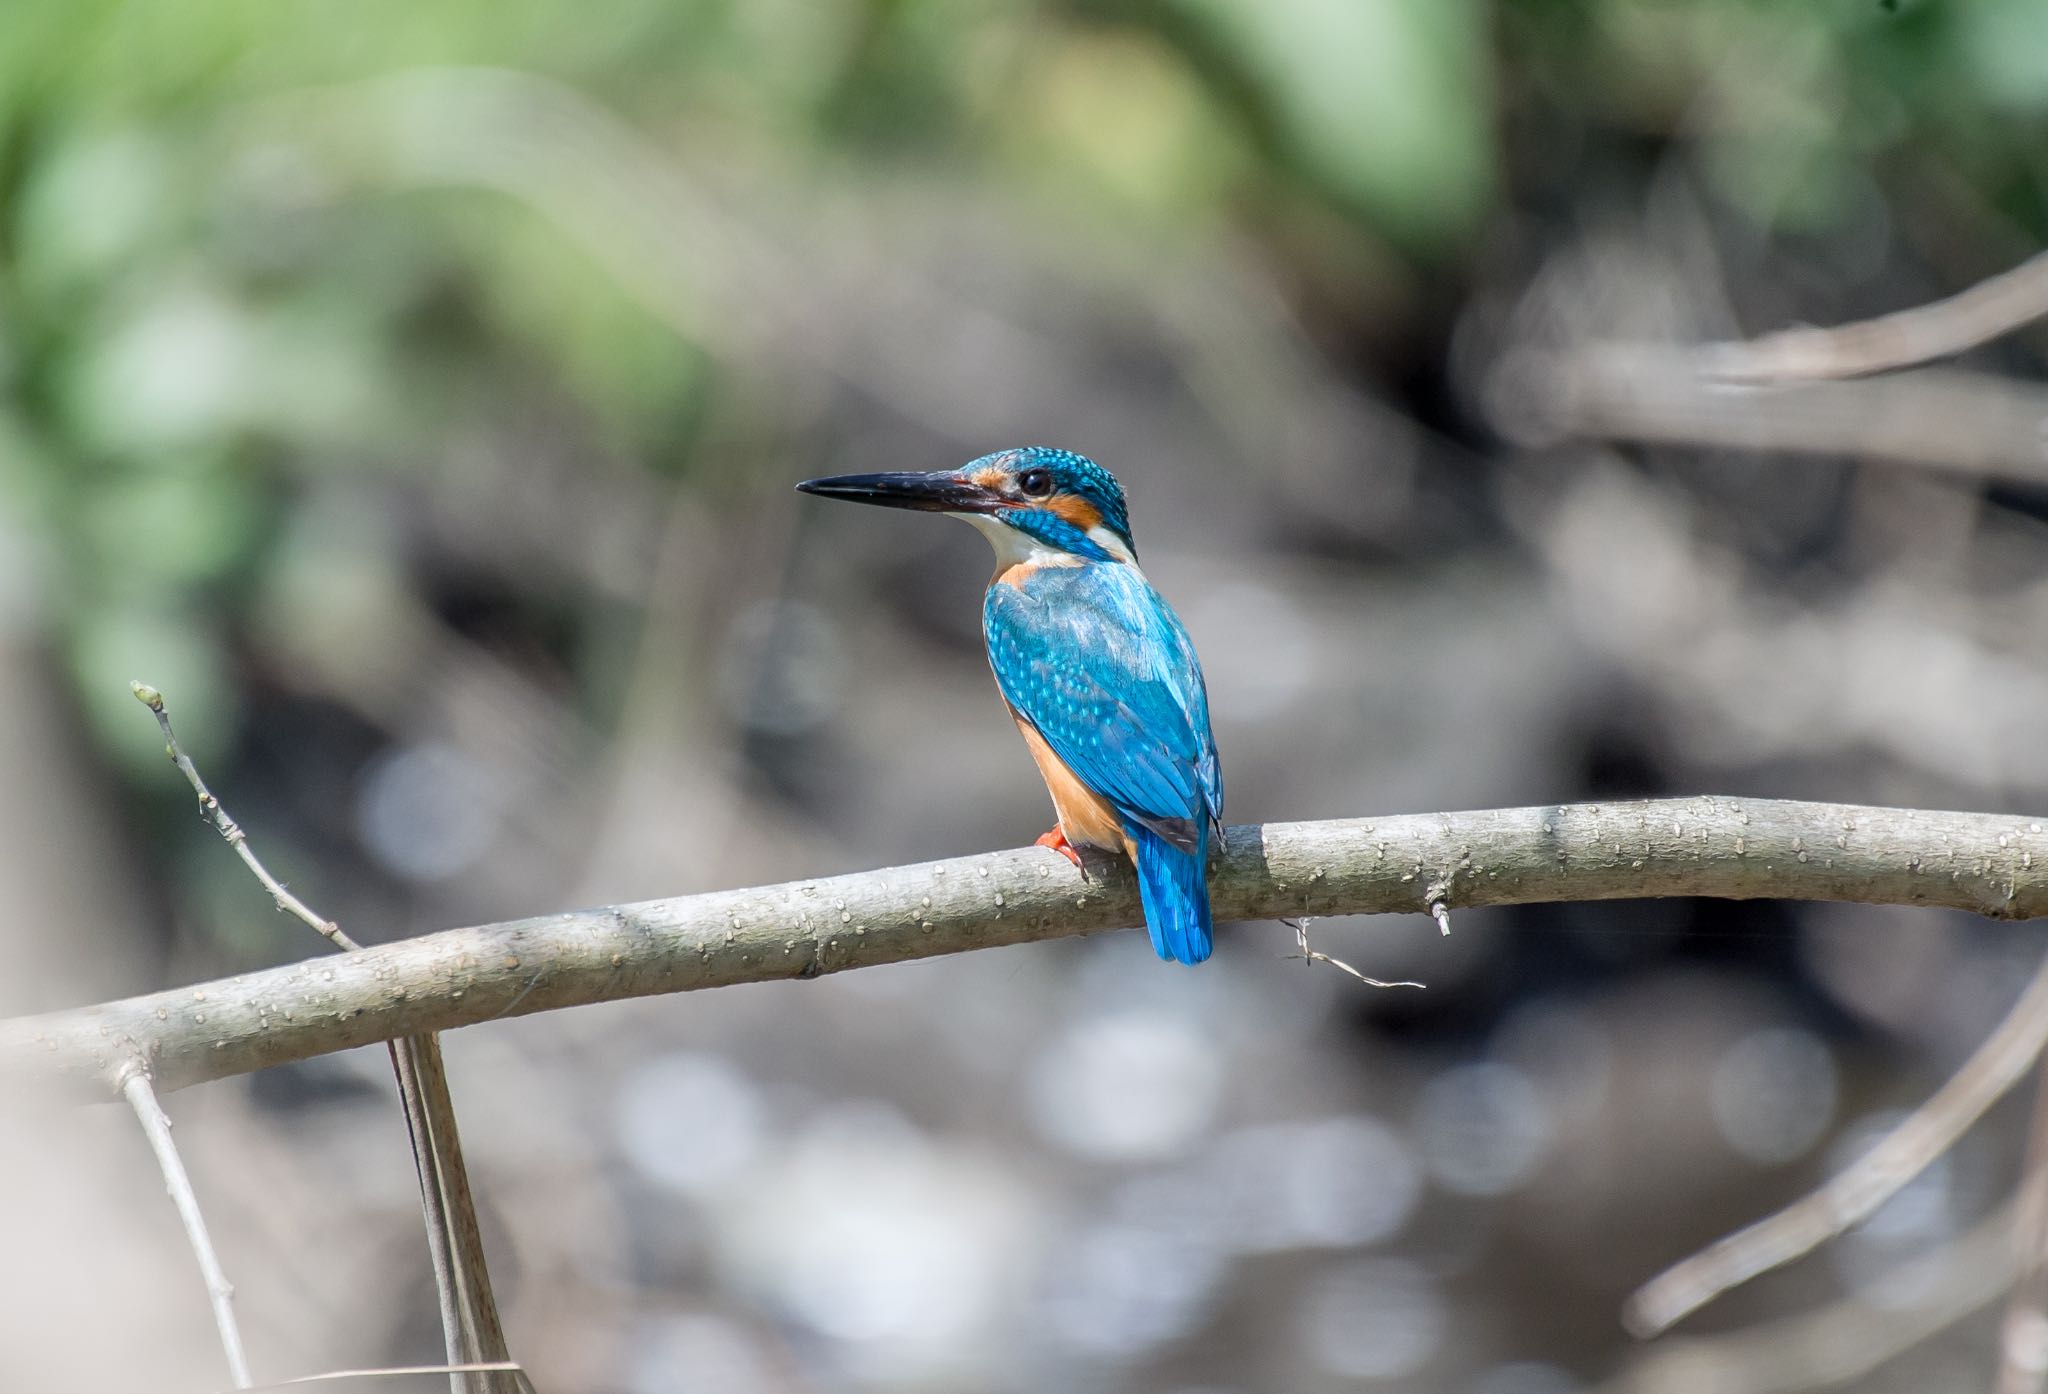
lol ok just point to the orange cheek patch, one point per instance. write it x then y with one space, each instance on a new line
990 479
1076 510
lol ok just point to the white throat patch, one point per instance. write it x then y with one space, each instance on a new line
1015 547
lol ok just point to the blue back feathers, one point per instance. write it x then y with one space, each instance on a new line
1097 661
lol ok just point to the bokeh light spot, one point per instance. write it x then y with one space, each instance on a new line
1484 1128
1773 1093
1376 1319
690 1122
428 811
1127 1087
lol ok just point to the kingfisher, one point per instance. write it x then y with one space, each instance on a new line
1096 668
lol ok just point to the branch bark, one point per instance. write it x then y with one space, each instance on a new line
1990 864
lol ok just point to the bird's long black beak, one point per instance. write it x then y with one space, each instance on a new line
944 491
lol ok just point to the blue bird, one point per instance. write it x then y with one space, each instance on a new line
1097 670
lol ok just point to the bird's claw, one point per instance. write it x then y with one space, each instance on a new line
1057 840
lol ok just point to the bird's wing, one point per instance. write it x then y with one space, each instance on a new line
1095 660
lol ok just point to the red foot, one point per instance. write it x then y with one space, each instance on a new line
1057 840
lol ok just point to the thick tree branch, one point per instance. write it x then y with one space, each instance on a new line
1991 864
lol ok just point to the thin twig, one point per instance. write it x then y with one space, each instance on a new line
1994 306
2023 1339
1309 955
156 1126
1437 900
229 828
1855 1194
473 1336
1990 864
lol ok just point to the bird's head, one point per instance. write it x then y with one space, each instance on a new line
1034 499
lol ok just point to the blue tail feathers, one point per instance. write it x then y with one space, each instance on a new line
1174 886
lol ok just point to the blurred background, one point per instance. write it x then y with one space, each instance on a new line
413 393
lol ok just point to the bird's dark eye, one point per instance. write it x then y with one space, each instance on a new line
1036 483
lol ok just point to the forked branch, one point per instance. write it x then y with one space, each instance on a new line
475 1339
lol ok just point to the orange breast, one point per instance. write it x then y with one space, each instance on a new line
1085 816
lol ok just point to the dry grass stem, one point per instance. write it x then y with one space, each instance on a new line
473 1367
1311 955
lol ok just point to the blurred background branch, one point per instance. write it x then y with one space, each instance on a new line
1932 419
1842 1341
2023 1336
1856 1193
1994 306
